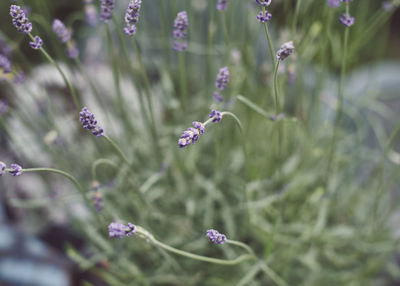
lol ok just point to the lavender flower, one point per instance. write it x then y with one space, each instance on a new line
97 200
221 5
264 3
333 3
89 122
344 1
280 116
62 32
19 78
216 237
5 48
181 25
19 20
72 50
132 16
217 97
90 13
191 135
106 8
285 50
2 168
3 106
37 43
264 17
15 170
216 114
5 64
347 20
118 230
222 78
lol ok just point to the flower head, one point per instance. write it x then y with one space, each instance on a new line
215 237
15 170
19 20
217 97
191 135
264 3
132 16
5 48
72 50
221 5
90 13
36 43
118 230
5 64
222 78
333 3
2 168
106 8
285 50
62 32
264 17
347 20
89 122
216 115
181 25
97 200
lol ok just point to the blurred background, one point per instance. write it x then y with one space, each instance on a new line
275 199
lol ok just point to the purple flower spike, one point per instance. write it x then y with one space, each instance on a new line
215 237
285 50
217 97
19 20
97 201
216 114
264 17
333 3
221 5
2 168
90 13
15 170
37 43
181 25
72 50
264 3
89 122
222 78
132 17
62 32
5 64
118 230
191 135
106 8
347 20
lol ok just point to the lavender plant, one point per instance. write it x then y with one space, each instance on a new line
296 190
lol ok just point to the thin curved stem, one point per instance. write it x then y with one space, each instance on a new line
271 47
201 257
239 123
101 161
277 107
119 151
68 84
242 245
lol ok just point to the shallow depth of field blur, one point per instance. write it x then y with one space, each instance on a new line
314 192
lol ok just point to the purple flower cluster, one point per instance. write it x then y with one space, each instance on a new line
181 25
5 48
72 49
62 32
90 13
132 17
98 201
280 116
285 50
347 20
5 64
37 43
264 17
222 78
333 3
217 97
119 230
19 20
15 170
89 122
216 115
106 8
2 168
216 237
191 135
264 3
221 5
3 106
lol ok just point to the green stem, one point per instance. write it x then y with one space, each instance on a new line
271 274
99 162
203 258
277 107
295 18
182 80
271 47
339 103
242 245
119 151
68 84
